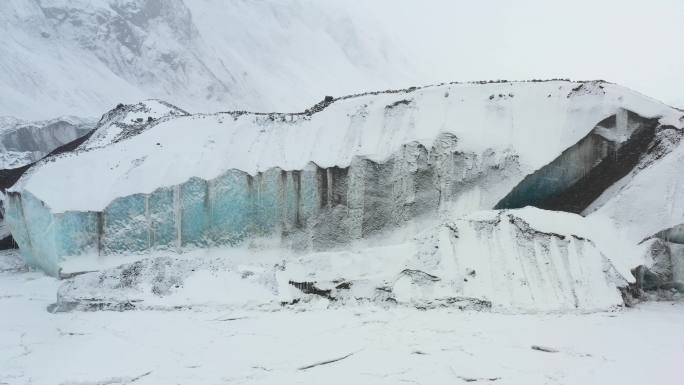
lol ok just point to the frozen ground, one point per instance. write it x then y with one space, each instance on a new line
374 345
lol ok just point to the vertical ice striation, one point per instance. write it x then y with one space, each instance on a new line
313 208
45 237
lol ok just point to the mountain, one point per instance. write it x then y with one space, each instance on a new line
81 57
349 169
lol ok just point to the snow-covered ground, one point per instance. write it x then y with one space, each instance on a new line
368 344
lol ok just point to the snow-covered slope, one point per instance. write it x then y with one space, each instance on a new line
129 120
535 120
43 75
82 56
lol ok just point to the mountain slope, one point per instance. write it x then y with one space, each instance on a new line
81 57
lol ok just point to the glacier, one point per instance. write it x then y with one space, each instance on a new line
314 207
23 142
291 192
288 192
342 170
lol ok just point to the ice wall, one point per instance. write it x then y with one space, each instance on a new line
23 142
314 208
581 173
342 169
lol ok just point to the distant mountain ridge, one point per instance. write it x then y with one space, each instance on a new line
23 142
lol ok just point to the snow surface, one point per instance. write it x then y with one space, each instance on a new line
535 120
381 345
525 260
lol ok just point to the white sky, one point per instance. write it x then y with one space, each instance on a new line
635 43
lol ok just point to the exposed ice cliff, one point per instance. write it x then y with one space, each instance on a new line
582 172
23 142
341 171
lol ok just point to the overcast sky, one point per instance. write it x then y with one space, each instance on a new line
635 43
